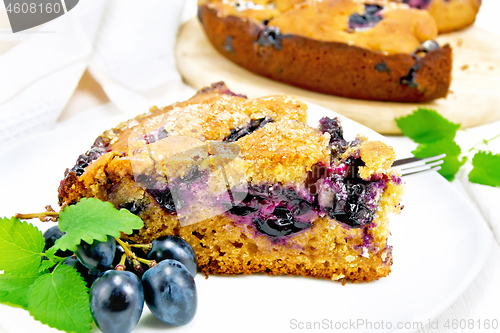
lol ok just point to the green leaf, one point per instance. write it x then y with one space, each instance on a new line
451 162
60 299
46 264
426 126
21 245
14 288
486 169
92 219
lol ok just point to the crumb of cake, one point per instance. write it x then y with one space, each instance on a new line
378 158
464 67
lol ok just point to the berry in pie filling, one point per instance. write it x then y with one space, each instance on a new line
250 186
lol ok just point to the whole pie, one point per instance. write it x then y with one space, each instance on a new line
371 49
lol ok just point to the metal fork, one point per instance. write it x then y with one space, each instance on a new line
412 165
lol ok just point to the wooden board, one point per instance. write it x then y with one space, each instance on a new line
474 97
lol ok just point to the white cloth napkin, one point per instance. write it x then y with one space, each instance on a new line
133 57
39 75
127 45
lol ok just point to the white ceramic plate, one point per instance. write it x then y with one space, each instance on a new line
440 243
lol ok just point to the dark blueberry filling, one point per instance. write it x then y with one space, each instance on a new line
280 226
242 210
337 142
274 192
382 67
228 44
334 128
419 4
278 211
366 21
353 200
222 89
230 93
164 198
409 79
84 160
254 125
428 46
134 207
372 9
182 187
299 207
270 36
273 210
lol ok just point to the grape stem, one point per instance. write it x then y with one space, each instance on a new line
48 216
135 259
142 246
121 264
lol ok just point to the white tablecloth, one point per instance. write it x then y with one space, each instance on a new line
110 55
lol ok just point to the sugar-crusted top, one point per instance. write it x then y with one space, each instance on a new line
209 115
283 152
277 107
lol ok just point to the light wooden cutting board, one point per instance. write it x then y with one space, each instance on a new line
474 97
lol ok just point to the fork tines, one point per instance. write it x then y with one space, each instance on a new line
413 165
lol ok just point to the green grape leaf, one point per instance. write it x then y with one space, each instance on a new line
21 245
14 288
92 219
486 169
60 299
46 264
451 162
426 126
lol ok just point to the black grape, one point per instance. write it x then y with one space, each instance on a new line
98 255
170 292
173 247
116 301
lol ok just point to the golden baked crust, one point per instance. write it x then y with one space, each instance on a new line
380 68
280 157
283 152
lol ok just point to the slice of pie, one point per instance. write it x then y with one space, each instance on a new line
249 185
